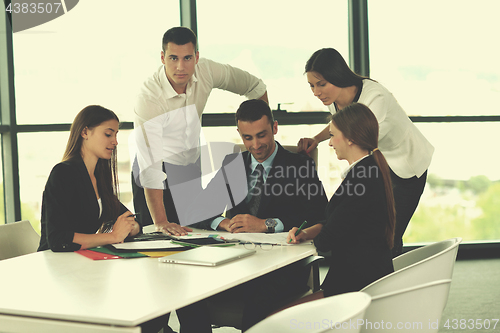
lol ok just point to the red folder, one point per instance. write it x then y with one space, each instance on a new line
94 255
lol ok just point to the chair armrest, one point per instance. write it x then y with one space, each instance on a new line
313 262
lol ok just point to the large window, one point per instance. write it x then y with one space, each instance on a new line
97 53
35 163
438 58
272 40
462 193
2 208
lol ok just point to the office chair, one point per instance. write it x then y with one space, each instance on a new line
322 315
415 309
17 239
426 264
432 253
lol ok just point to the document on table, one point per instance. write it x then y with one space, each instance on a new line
161 236
147 245
275 238
195 236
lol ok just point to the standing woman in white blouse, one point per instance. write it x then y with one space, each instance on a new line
407 151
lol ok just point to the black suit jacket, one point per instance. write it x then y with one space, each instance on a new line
354 231
292 192
69 205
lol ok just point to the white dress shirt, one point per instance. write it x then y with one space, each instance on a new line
168 125
351 166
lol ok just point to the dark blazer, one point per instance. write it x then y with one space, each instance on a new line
292 192
354 231
69 205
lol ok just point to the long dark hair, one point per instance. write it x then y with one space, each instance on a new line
359 125
330 64
105 170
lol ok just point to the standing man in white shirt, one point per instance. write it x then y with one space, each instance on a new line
168 125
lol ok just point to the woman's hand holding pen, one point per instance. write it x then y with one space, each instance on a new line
123 226
293 239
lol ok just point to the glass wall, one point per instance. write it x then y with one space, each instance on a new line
462 196
272 40
97 53
36 162
439 59
2 202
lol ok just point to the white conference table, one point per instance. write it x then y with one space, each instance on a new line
61 291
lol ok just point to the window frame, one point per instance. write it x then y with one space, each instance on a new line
9 130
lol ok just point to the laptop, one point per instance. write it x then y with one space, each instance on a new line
207 256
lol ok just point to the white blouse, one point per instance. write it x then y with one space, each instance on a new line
406 150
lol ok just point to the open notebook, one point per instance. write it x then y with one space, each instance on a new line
207 256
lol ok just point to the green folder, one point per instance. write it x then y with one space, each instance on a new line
121 254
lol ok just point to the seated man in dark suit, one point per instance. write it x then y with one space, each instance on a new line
270 190
280 189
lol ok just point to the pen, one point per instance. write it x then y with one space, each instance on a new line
299 230
134 215
185 244
224 245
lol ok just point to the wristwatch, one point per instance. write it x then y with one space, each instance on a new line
271 224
